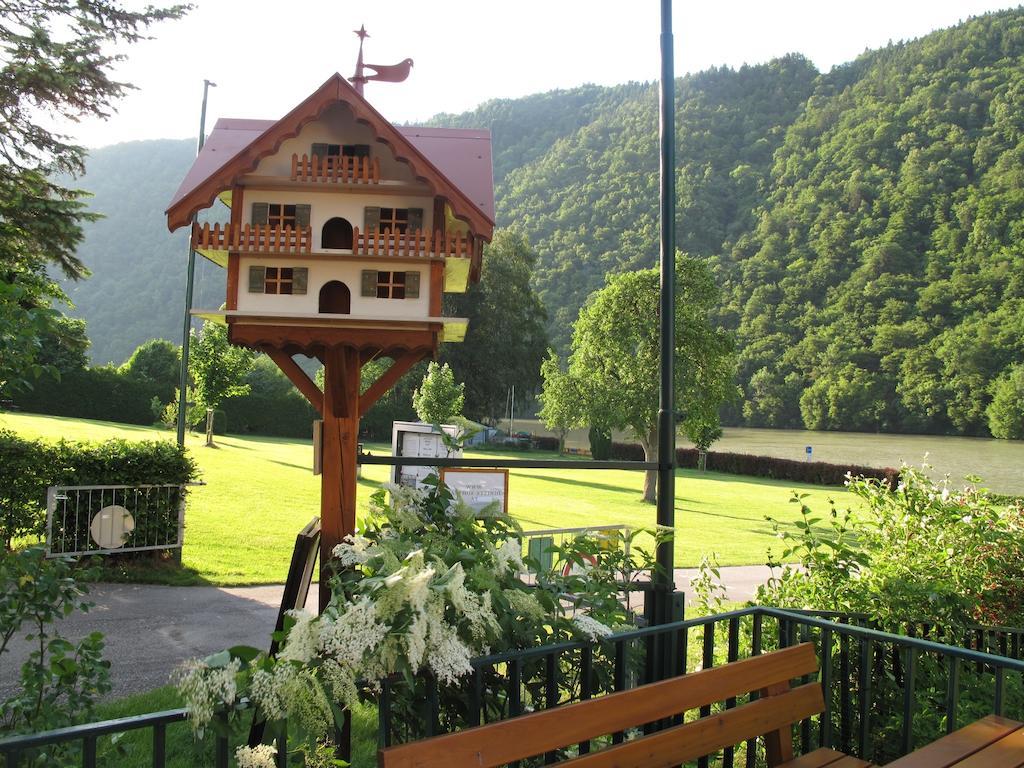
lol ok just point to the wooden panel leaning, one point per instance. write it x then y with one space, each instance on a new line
771 716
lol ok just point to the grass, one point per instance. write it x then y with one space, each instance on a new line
259 492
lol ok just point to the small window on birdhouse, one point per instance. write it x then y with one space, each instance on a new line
400 219
281 216
390 285
278 280
341 150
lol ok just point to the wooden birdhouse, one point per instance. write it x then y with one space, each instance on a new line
342 226
344 233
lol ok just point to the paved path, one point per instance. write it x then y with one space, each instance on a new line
150 629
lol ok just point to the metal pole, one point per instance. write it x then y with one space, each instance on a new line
183 378
666 404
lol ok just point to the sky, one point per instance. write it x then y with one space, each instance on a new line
265 57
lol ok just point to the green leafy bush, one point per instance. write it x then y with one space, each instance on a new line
29 467
601 443
60 681
920 552
919 558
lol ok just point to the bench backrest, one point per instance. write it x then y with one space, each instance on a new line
771 715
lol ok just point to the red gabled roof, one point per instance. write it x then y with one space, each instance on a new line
455 163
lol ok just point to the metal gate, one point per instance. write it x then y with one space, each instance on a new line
108 519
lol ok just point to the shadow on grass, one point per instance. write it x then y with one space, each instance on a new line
304 467
725 477
143 569
580 483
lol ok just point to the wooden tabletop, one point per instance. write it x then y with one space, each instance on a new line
992 742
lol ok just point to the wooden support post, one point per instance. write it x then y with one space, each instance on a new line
298 377
399 367
340 435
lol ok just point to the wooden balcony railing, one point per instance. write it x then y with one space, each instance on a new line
347 170
265 239
258 238
419 242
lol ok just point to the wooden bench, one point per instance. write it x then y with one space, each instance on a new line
992 742
771 716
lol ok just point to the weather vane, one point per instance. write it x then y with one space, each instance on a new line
389 73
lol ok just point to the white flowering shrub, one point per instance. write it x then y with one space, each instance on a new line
425 587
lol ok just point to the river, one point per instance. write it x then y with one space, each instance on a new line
999 463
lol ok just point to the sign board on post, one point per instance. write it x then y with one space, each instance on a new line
478 487
808 450
414 438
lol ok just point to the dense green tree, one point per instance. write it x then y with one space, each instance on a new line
157 363
65 346
218 369
616 353
439 398
56 67
560 399
1006 411
505 343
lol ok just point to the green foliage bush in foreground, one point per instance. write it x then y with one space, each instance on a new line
60 681
29 467
919 558
920 552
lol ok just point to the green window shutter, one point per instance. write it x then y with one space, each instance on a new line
300 278
302 216
319 150
412 285
371 218
369 287
257 279
260 213
415 219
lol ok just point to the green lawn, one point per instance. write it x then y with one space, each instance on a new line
259 492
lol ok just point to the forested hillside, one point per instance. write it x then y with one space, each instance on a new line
864 224
882 287
137 289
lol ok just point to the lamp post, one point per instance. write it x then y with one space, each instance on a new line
666 403
183 380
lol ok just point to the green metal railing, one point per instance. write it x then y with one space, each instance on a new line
86 736
885 694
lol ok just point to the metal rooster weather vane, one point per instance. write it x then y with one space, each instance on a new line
388 73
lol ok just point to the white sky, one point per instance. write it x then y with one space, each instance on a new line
267 56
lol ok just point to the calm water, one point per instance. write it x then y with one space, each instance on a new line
999 463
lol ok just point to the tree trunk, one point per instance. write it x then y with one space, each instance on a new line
650 446
561 443
209 427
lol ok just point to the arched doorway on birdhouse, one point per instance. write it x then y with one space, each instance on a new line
336 234
335 298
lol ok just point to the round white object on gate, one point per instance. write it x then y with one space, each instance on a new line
110 526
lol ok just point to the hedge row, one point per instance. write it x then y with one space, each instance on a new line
91 393
813 472
29 467
282 415
544 442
